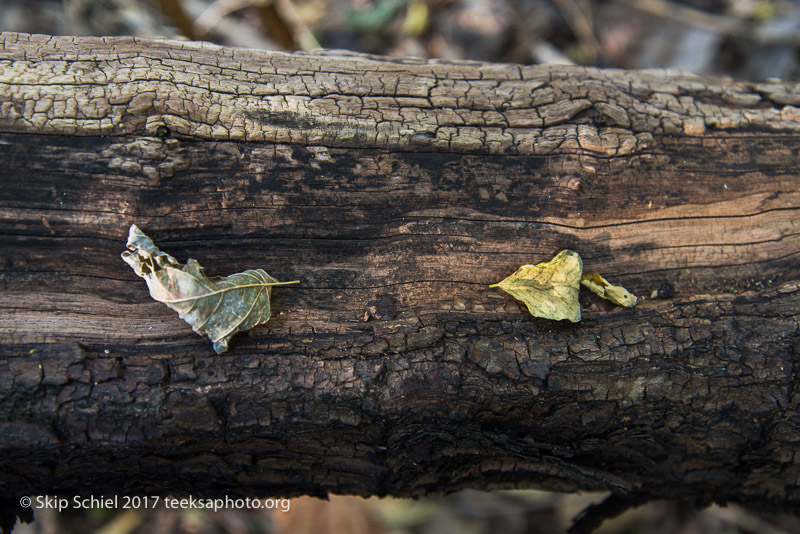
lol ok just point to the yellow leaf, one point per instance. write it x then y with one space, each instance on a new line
616 294
216 307
416 18
550 290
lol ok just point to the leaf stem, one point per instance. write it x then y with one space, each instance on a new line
223 290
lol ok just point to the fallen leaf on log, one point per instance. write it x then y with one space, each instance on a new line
550 290
216 307
602 287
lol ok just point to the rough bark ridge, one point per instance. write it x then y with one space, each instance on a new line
396 191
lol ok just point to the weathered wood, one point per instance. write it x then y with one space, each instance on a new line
418 184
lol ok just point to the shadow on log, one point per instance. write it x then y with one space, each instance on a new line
396 191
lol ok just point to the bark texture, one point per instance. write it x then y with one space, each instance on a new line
396 191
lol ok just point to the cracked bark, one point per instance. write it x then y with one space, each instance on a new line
396 191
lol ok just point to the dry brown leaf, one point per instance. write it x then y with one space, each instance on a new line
216 307
550 290
616 294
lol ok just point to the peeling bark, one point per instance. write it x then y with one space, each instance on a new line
396 191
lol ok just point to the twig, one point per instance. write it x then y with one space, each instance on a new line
214 13
283 23
591 518
582 27
174 10
302 35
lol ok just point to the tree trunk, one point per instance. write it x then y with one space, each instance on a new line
396 191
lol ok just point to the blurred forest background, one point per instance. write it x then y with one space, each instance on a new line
752 39
748 39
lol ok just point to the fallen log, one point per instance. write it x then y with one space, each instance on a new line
396 191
